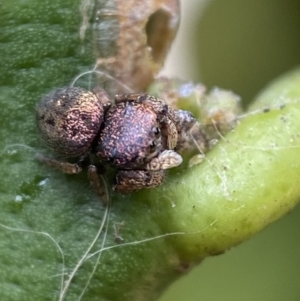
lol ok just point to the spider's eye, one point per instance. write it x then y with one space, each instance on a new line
152 146
156 131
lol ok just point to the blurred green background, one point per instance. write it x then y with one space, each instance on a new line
241 46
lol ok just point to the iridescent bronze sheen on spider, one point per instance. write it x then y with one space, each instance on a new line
138 135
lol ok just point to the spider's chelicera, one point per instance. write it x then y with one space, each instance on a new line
139 135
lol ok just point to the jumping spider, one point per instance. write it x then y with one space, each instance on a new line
139 135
